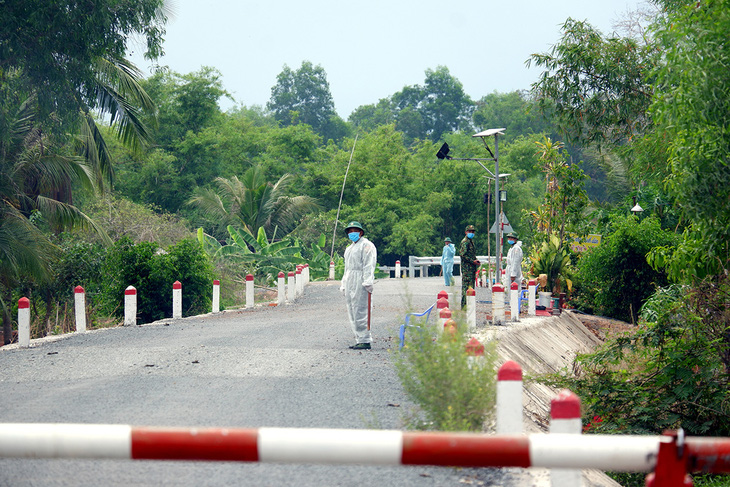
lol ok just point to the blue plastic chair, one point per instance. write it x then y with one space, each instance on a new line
402 331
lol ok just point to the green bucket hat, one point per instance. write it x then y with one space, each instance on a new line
512 235
447 239
470 228
354 224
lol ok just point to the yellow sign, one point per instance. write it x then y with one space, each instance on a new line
582 244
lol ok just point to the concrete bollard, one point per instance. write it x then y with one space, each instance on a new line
305 275
441 303
474 351
565 419
444 316
249 291
130 306
444 295
291 287
176 299
299 281
509 399
484 278
471 309
80 308
24 322
397 269
450 328
332 270
216 296
531 291
514 301
281 289
497 304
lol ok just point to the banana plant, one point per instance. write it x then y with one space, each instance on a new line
552 259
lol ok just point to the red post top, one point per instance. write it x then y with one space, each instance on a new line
299 270
23 303
475 348
510 370
397 262
281 275
497 288
442 303
130 291
291 273
78 290
532 282
565 405
332 262
249 277
450 327
445 313
442 294
216 282
471 292
514 286
176 285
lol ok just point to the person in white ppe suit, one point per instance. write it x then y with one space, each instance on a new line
447 260
513 262
357 283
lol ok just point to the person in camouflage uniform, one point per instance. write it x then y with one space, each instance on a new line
469 262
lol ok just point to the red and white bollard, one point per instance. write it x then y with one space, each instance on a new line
177 299
450 328
305 273
281 289
471 309
484 277
531 296
514 301
474 350
24 322
249 290
299 282
442 303
291 287
216 296
443 294
80 308
130 306
565 419
332 271
497 304
509 399
397 269
444 316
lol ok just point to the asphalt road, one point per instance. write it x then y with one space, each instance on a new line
285 366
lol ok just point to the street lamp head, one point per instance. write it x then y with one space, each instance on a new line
443 152
490 132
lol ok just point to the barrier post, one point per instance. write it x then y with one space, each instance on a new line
444 295
471 309
291 287
514 302
130 306
299 283
332 270
565 419
444 316
281 289
484 277
474 350
442 303
80 308
671 463
397 269
305 273
532 291
24 322
497 304
509 399
216 296
249 290
176 299
450 328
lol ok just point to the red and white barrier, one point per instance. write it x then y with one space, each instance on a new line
332 271
531 296
216 296
281 289
514 301
509 399
24 322
291 287
497 304
80 308
299 289
565 419
130 306
249 291
471 309
177 299
474 350
363 447
443 294
397 269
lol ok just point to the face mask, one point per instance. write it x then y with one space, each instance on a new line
354 236
511 242
470 235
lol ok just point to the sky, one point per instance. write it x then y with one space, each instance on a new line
370 49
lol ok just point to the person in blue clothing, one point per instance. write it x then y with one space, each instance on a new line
447 261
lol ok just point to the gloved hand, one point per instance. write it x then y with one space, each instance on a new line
342 289
368 287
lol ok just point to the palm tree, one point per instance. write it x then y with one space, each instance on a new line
252 202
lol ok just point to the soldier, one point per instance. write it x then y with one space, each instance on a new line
469 262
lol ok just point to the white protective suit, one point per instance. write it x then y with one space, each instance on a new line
357 283
513 265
